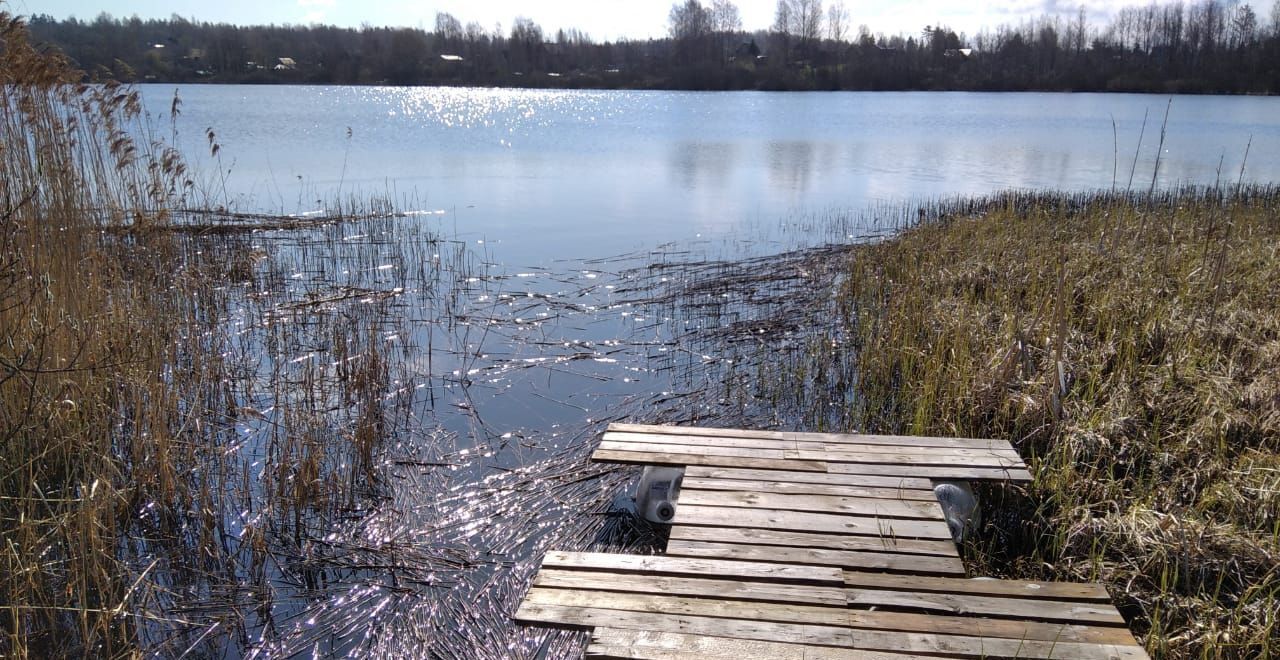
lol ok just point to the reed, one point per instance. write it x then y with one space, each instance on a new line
89 424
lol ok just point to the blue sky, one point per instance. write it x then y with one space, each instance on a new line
602 19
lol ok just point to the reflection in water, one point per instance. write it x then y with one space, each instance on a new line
791 165
697 165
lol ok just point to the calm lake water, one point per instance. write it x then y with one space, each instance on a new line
544 175
442 376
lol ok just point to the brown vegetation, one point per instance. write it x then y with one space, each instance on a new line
1129 347
91 430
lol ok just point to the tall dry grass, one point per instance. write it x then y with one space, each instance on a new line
92 424
1130 349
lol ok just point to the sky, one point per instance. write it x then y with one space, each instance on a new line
601 19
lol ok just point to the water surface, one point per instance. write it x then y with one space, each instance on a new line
543 175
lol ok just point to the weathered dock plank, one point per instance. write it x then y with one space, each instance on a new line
723 516
808 477
877 560
1015 588
814 540
653 645
861 506
685 566
627 456
800 488
850 438
737 589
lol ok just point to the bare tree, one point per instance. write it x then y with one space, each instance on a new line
448 30
689 20
837 21
808 14
1078 34
1171 27
725 16
1244 26
1208 18
782 21
526 44
783 24
725 23
690 26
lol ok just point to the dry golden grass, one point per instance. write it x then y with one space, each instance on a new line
1130 348
89 427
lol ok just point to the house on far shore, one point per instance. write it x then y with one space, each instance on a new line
285 64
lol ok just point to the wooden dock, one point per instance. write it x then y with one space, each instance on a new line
812 545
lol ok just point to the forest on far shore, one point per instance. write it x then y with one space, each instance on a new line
1208 46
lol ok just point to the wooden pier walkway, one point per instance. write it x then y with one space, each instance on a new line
809 545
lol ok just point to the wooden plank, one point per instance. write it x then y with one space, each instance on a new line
1023 608
698 441
782 474
750 535
887 621
1000 449
839 438
986 627
909 460
722 516
736 589
1090 592
742 452
649 645
619 427
800 488
653 645
680 605
911 441
1005 453
845 638
932 471
969 646
861 506
680 566
795 633
849 559
662 458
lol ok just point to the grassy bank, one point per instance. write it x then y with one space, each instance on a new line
1130 349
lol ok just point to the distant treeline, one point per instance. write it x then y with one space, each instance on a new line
1203 47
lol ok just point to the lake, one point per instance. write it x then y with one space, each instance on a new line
542 175
414 398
